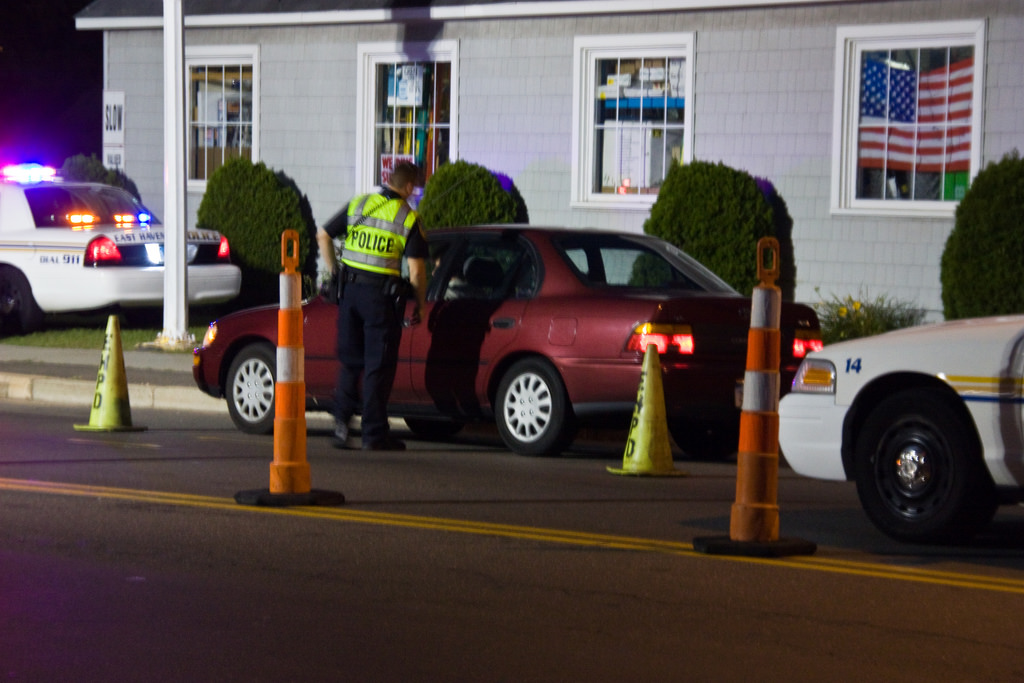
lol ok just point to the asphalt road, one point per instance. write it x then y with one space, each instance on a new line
123 556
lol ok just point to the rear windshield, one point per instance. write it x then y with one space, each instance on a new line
79 206
637 263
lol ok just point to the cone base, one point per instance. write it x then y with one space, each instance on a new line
265 498
114 428
650 473
784 547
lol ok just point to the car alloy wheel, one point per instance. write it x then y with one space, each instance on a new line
534 416
250 389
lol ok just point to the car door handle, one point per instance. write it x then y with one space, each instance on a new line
503 323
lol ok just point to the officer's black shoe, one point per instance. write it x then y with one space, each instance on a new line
388 443
340 435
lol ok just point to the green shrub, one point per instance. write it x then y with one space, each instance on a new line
252 206
90 169
463 193
717 214
982 271
851 318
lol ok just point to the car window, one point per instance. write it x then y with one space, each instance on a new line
71 206
637 263
487 269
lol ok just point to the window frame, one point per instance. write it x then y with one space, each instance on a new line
220 55
587 50
851 43
369 56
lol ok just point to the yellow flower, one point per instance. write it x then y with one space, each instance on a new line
842 311
856 305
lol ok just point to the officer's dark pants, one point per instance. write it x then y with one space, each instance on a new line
369 330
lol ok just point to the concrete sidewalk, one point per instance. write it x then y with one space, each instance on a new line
156 379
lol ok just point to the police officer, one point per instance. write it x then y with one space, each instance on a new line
378 230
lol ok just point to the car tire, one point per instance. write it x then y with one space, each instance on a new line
919 472
249 389
533 413
19 311
708 441
428 428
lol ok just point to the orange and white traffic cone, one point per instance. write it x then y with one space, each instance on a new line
289 472
754 523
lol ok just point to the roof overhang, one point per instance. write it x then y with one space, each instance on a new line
454 12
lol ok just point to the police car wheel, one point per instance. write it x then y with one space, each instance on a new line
919 471
534 416
18 307
250 389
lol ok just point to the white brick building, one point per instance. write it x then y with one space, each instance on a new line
538 90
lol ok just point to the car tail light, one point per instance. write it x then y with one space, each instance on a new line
224 250
678 338
102 252
806 341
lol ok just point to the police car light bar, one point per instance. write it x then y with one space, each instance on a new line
29 173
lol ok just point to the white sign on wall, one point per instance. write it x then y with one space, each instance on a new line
113 129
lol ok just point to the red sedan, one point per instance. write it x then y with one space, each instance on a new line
538 330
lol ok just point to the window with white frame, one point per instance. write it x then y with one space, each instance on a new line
908 116
406 109
222 101
632 115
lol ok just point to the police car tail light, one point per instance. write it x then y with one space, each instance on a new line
224 250
815 376
102 252
678 338
806 341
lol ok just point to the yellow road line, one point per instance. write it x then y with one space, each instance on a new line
578 538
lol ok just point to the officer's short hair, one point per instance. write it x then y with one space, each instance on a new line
405 172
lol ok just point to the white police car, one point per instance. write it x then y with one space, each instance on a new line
928 421
76 246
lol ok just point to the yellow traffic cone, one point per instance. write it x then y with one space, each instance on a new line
648 451
111 411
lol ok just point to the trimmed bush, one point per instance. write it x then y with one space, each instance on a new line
252 206
717 214
464 193
91 170
982 270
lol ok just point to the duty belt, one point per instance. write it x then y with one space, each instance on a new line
363 277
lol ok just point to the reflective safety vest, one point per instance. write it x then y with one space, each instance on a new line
377 231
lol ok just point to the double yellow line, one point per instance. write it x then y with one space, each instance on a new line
577 538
